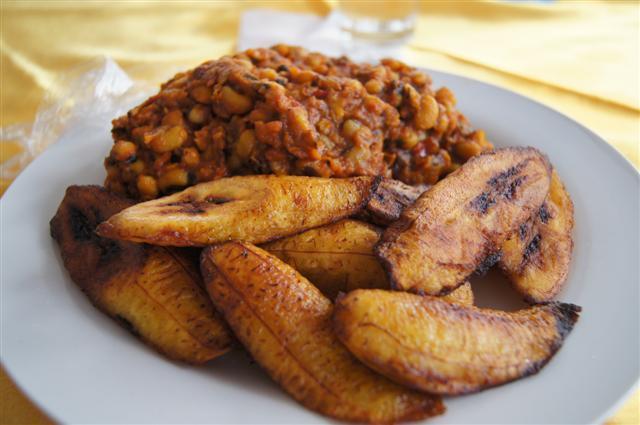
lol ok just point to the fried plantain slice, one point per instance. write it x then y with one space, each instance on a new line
441 347
336 258
389 200
256 209
459 224
285 323
339 257
154 292
536 258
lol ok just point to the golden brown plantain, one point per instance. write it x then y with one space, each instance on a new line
441 347
339 257
255 209
536 258
285 323
154 292
459 224
389 200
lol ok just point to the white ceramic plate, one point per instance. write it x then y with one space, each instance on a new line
80 367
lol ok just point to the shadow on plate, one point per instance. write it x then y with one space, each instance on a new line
493 290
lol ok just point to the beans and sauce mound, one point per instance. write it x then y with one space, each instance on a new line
284 110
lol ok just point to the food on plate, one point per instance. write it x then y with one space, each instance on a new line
307 155
339 258
153 292
441 347
255 209
536 258
287 111
459 225
285 324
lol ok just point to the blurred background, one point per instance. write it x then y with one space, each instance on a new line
579 57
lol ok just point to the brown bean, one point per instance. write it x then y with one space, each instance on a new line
173 178
201 94
412 96
198 114
409 138
420 78
304 77
190 157
147 186
173 118
137 167
467 149
374 86
122 150
234 102
445 96
350 127
169 140
337 108
246 143
269 74
427 113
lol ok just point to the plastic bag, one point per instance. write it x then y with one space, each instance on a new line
97 91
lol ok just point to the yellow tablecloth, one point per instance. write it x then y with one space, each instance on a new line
580 57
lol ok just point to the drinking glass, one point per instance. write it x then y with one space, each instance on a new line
378 22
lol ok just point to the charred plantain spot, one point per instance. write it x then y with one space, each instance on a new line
217 200
109 249
490 261
502 186
566 317
523 230
532 248
192 206
504 176
482 202
90 259
389 200
180 203
81 227
125 323
544 214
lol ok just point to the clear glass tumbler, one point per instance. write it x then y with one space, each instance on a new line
378 22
